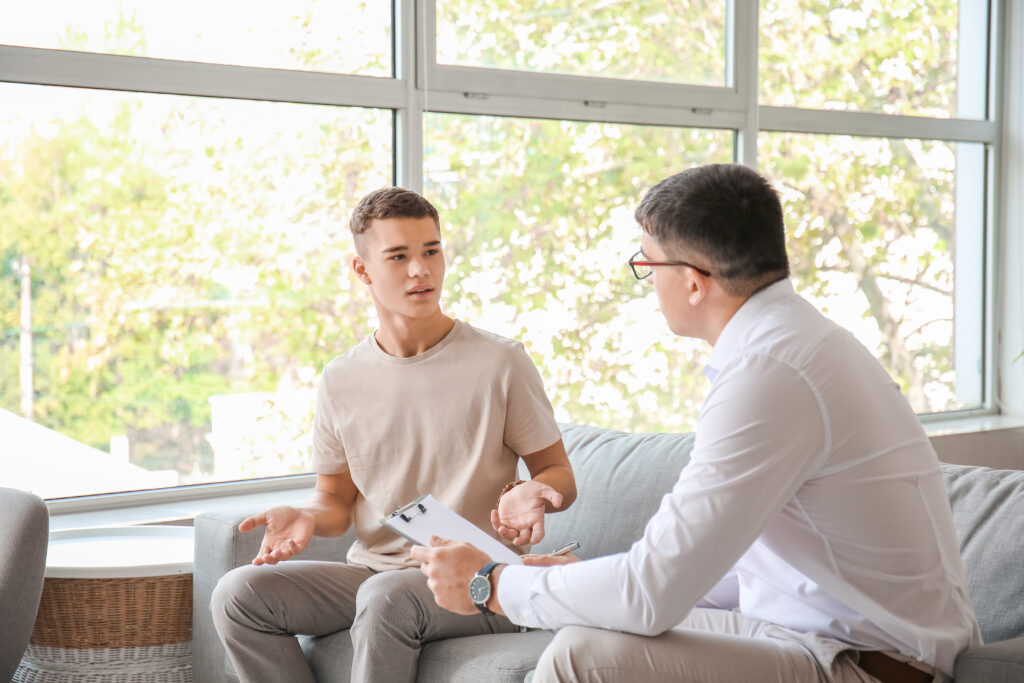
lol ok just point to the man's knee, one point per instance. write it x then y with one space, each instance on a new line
565 657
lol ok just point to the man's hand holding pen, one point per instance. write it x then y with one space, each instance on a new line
560 556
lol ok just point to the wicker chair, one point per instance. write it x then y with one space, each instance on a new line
24 535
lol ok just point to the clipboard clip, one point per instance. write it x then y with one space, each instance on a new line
409 511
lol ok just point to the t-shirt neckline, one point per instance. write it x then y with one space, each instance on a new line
429 353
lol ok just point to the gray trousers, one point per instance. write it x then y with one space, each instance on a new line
709 646
259 610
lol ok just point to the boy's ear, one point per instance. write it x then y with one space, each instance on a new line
359 268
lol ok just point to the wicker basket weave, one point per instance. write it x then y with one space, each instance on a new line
111 630
156 664
115 612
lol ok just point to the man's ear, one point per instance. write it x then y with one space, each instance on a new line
697 287
359 268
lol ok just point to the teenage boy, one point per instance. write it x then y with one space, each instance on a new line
810 537
426 404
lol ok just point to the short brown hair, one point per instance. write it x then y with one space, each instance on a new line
727 213
389 202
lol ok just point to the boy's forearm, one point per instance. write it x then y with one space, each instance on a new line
561 479
333 516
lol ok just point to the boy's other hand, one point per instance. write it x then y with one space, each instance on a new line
519 516
288 533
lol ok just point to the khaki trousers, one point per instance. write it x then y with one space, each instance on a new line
389 615
709 646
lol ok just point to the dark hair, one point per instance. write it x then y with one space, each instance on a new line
725 213
389 202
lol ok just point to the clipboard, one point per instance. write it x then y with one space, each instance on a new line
426 516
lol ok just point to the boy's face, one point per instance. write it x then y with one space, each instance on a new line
402 263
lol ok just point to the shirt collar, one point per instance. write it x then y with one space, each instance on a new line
732 336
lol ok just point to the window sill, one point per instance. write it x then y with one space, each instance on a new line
177 506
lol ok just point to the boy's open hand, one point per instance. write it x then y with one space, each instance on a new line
519 516
288 532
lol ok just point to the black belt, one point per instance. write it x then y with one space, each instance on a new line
889 670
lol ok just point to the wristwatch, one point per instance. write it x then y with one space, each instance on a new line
480 588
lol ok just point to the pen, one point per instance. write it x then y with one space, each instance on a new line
567 548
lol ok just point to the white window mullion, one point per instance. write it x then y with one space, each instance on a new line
144 74
826 122
741 48
534 107
409 51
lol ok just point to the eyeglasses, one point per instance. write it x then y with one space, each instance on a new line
643 269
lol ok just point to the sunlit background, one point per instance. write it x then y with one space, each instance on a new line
174 268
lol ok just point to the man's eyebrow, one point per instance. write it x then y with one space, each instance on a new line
432 244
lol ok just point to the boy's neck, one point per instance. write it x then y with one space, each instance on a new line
406 337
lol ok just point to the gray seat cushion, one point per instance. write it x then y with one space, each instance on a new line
997 663
988 513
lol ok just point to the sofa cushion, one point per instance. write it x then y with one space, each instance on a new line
621 479
997 663
988 513
496 657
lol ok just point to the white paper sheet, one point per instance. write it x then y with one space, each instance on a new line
425 517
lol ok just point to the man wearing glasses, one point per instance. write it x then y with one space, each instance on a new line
810 537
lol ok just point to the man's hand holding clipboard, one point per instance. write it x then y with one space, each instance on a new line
450 565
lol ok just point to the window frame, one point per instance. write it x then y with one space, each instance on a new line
421 85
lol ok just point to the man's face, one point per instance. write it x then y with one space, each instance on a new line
403 265
672 284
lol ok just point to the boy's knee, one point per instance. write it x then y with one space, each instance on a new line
236 596
390 598
381 594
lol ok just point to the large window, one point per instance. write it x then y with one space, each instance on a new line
174 198
342 36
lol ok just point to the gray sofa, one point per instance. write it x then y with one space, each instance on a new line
24 537
621 478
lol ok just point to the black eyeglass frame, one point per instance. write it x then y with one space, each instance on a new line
634 262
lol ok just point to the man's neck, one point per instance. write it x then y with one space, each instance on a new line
406 337
721 315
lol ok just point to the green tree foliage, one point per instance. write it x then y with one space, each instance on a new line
876 215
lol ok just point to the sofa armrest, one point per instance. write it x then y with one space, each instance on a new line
219 548
1001 662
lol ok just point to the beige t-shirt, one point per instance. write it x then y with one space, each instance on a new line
450 422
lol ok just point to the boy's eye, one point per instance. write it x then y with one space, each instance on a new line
432 252
397 257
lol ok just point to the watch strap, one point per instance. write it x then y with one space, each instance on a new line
485 572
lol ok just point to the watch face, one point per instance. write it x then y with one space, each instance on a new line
480 589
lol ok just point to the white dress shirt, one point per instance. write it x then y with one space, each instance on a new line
813 500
